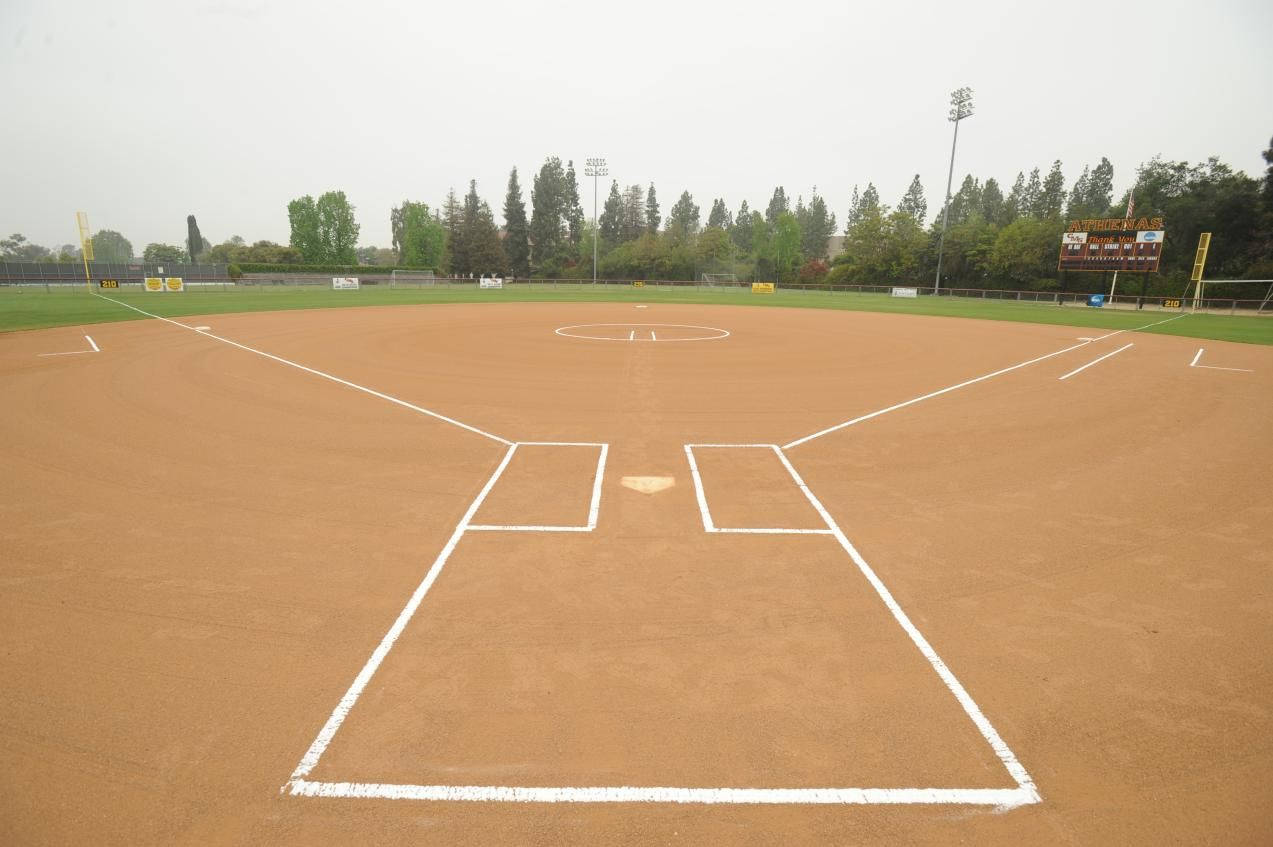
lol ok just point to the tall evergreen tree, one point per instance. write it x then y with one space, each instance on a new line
1100 188
548 218
817 227
741 230
453 223
778 204
1032 199
967 200
855 210
483 252
683 219
652 217
516 230
1077 205
632 225
913 202
1052 197
574 211
1016 205
194 241
610 221
992 203
719 216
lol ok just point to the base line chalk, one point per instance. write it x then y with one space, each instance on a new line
364 389
968 382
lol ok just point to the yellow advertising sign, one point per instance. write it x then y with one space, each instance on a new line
638 283
762 288
153 283
174 283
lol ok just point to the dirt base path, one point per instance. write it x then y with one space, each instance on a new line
203 546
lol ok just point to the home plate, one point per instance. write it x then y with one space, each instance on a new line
648 484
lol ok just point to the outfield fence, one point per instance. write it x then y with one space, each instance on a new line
211 283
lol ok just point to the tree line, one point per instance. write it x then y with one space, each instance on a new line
994 238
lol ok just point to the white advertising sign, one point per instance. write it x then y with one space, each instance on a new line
490 282
344 283
905 292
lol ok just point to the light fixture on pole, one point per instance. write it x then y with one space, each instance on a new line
594 168
960 108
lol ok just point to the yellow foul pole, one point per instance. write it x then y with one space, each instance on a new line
86 246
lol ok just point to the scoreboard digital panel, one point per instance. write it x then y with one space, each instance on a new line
1112 244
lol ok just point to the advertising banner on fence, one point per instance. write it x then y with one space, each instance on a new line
490 282
153 283
344 283
762 288
174 283
109 283
905 292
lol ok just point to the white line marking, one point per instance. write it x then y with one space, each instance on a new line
721 333
1005 798
338 715
1085 338
1094 361
966 383
1194 364
700 494
653 337
91 343
319 373
482 527
706 514
988 732
594 503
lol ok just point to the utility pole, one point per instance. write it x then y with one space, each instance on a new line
960 108
594 168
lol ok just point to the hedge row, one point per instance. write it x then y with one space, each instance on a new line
337 270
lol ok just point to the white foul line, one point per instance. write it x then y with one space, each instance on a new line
966 383
338 715
315 372
1094 361
91 343
1194 364
1005 798
632 335
653 337
988 732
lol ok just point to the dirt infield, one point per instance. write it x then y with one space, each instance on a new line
205 545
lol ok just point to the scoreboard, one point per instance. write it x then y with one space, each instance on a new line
1112 244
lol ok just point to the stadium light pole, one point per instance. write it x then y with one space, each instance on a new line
594 168
960 108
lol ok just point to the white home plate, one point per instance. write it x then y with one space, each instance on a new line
648 484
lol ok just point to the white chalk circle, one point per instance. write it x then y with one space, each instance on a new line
642 332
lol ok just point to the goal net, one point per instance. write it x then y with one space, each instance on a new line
720 279
410 279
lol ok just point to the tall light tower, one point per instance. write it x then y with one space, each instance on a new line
594 168
960 108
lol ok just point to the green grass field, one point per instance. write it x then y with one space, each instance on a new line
33 309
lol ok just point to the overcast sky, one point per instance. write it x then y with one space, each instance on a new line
140 113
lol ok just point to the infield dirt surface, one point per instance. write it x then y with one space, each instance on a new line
202 547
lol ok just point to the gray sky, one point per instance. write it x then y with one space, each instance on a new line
143 112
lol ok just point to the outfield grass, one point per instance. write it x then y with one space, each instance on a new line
33 309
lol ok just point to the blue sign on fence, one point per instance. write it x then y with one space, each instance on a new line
1096 300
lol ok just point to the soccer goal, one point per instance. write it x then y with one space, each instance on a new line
410 279
720 279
